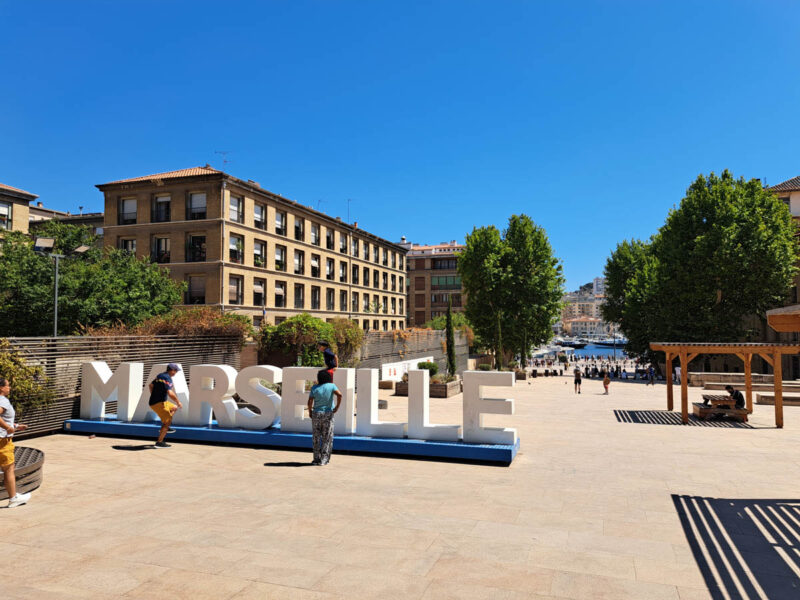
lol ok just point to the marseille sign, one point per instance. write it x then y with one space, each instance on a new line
210 413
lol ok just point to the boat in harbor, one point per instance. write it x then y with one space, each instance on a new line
573 343
617 341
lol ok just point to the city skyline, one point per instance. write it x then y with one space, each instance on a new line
593 122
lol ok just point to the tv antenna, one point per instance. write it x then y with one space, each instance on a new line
319 201
224 154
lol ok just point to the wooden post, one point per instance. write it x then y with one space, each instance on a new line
684 388
669 381
748 381
777 369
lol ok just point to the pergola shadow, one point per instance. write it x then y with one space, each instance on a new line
666 417
744 548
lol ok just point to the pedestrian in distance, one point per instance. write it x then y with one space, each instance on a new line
577 380
606 382
651 376
7 430
322 410
329 356
164 402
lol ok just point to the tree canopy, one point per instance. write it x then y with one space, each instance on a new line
513 283
728 252
97 288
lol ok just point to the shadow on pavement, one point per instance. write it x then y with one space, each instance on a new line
288 464
135 448
667 417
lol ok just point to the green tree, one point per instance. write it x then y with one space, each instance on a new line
726 253
513 284
450 339
296 337
96 288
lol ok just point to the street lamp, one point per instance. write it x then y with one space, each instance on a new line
44 246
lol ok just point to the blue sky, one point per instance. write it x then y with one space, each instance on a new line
432 117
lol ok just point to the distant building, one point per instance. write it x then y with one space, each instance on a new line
39 214
432 280
246 250
581 315
599 286
14 209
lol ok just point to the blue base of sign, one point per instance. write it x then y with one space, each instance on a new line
275 438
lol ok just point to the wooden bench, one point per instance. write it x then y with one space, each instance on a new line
705 412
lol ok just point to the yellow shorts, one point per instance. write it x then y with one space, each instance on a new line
6 452
165 410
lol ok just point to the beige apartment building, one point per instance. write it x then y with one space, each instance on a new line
246 250
14 209
433 278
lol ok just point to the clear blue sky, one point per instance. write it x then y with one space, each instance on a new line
433 117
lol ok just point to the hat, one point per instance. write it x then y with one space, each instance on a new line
173 367
323 343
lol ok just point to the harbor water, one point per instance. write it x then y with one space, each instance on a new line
603 351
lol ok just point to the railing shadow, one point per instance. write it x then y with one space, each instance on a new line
744 548
667 417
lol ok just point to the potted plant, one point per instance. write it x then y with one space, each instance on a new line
440 386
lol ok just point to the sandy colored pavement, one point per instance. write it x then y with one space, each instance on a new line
586 511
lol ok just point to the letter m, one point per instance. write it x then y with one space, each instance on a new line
99 385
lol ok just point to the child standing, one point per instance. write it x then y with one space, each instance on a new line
321 408
606 382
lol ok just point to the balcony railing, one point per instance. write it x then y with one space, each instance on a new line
195 255
159 257
128 218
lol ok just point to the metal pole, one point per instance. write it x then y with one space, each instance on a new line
55 295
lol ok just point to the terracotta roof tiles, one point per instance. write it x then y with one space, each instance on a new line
790 185
180 173
8 188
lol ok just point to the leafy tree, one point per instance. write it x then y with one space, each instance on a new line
451 339
726 253
96 288
29 388
346 340
296 337
513 284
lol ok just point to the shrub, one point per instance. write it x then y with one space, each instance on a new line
484 367
297 336
346 340
443 378
513 364
432 367
28 383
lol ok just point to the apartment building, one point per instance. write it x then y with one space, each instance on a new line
433 278
250 251
14 209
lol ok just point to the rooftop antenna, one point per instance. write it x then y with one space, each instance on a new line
81 209
319 201
224 154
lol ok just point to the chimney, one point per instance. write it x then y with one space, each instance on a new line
402 239
355 225
339 219
39 204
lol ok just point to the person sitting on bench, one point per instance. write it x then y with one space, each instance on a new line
734 394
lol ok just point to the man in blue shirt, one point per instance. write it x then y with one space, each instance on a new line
321 408
162 391
328 355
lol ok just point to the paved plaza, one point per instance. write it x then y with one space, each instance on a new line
596 505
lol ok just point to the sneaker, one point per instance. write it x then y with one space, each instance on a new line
171 430
163 445
18 500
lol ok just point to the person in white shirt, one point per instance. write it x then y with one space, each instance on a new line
7 430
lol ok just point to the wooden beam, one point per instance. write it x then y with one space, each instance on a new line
767 358
691 357
741 356
727 348
748 381
777 369
684 388
669 380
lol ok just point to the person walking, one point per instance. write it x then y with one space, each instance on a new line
162 390
329 356
651 376
322 411
577 380
7 430
606 382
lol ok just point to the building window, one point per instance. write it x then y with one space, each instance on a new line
445 263
365 273
235 289
376 279
393 325
127 211
330 299
385 258
196 207
375 324
280 222
401 284
196 292
419 300
342 272
419 264
300 229
355 302
343 300
375 255
366 303
299 262
161 209
329 238
401 309
260 216
260 253
259 295
366 250
385 305
315 297
280 258
342 242
354 247
160 251
355 274
394 283
236 249
196 248
419 283
299 295
329 269
5 215
365 324
280 295
315 265
315 234
279 320
394 308
386 281
128 244
385 325
236 212
400 260
394 263
419 317
448 282
376 304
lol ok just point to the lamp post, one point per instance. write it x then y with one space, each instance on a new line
44 246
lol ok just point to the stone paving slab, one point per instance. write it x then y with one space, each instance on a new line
592 507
